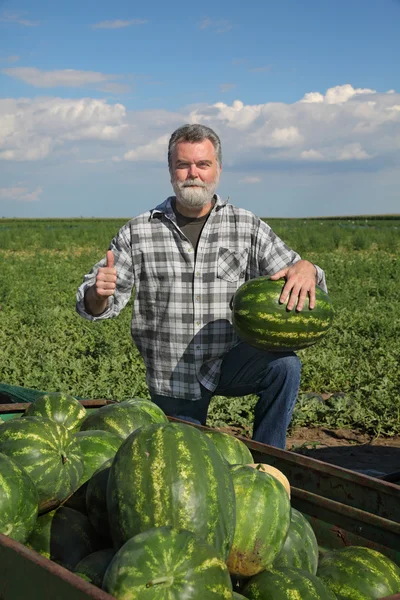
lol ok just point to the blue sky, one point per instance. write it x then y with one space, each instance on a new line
304 95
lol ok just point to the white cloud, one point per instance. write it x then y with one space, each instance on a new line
336 95
33 129
216 25
118 24
20 193
67 78
311 155
363 129
226 87
154 151
250 179
10 59
17 17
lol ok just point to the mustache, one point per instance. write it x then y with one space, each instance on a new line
194 183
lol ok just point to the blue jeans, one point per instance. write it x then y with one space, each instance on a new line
273 376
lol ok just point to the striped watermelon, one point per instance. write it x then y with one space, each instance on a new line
262 521
48 452
19 500
287 584
96 447
236 596
93 567
124 417
359 573
300 549
65 536
166 563
61 408
261 321
171 474
96 499
231 448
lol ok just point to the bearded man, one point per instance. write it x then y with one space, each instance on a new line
186 258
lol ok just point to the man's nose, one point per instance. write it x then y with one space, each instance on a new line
192 173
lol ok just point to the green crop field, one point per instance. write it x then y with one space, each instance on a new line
45 345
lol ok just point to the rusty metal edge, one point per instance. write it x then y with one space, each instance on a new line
57 570
19 407
368 525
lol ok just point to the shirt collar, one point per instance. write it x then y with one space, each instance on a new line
166 207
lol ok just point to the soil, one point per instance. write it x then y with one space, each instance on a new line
377 457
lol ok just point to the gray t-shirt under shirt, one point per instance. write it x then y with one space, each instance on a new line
190 226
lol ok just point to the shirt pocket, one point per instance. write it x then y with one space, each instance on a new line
232 264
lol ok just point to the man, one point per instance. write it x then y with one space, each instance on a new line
186 258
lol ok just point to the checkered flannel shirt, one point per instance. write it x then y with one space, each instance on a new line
181 320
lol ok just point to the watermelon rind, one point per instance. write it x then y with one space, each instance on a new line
171 474
93 567
61 408
262 520
358 572
96 447
19 501
233 450
262 321
167 563
64 536
123 418
48 452
300 549
96 499
287 584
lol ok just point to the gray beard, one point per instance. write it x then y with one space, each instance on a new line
194 197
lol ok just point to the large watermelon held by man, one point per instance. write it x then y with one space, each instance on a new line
262 321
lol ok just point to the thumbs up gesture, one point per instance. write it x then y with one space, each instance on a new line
106 278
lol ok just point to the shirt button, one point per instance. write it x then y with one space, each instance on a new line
190 249
198 323
197 298
197 347
197 273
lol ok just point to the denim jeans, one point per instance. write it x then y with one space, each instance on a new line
273 376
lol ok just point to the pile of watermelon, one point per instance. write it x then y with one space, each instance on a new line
145 508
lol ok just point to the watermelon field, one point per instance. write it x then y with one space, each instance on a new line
351 379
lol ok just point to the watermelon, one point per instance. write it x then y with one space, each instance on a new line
166 563
359 573
273 471
65 536
236 596
149 406
287 584
231 448
61 408
123 417
262 521
96 499
300 549
48 452
171 474
96 447
93 567
261 321
19 502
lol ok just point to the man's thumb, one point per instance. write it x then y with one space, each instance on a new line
110 259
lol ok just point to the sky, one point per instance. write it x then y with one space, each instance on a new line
304 95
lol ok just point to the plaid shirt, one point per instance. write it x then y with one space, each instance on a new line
181 321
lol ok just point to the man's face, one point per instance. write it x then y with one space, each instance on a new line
194 173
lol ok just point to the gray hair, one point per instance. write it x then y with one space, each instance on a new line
194 133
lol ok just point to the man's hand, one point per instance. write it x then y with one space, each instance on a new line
301 279
106 278
96 297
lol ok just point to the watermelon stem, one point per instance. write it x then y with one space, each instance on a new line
168 580
63 459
